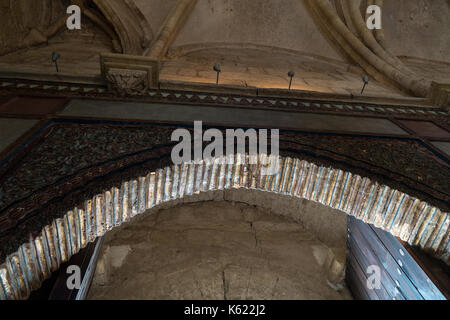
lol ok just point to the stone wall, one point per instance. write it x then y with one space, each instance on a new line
418 28
225 250
265 67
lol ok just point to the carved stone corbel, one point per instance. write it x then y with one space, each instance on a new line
127 82
129 75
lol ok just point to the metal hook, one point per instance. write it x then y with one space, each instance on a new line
55 57
217 69
291 74
366 82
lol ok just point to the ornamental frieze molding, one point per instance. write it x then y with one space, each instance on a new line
15 87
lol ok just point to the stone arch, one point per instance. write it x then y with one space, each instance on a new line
406 217
130 25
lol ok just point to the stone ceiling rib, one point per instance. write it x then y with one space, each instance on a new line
368 59
379 33
172 26
334 29
131 26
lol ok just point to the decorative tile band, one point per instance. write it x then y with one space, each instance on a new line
412 220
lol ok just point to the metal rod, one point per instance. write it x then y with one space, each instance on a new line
364 86
217 69
55 57
291 75
366 82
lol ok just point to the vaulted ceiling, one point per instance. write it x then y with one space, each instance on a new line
255 42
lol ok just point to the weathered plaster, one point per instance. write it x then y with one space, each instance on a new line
221 250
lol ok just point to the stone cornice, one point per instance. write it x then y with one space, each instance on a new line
198 94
